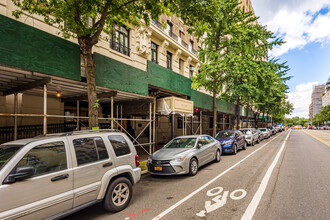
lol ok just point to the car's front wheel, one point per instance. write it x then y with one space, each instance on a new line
193 167
119 195
217 156
235 149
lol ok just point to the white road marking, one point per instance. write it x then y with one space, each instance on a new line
208 183
249 212
234 197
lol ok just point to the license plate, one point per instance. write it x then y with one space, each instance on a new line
158 168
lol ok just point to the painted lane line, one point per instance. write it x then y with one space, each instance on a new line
249 212
208 183
318 138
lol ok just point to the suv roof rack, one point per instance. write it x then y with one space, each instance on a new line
88 131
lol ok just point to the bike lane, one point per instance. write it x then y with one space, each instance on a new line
219 190
229 196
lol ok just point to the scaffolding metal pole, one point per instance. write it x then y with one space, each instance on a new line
78 114
117 113
172 126
150 126
45 109
15 117
183 125
201 122
121 117
223 122
192 125
229 122
154 128
111 112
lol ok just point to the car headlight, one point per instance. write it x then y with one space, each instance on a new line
149 160
180 159
227 142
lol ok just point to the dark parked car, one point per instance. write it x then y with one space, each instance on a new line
231 141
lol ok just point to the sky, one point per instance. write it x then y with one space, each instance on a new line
305 27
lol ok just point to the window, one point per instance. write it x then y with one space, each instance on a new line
169 60
181 34
191 45
191 71
209 140
120 40
45 158
90 150
169 27
202 141
119 145
154 52
181 66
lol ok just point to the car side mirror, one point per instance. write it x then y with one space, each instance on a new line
199 146
21 173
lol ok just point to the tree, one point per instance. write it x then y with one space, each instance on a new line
322 116
72 18
217 23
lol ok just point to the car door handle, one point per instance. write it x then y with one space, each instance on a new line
61 177
107 164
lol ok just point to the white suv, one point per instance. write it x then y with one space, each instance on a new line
55 175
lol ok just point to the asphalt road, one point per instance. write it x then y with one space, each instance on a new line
284 177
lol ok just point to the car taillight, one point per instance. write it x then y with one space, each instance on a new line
137 163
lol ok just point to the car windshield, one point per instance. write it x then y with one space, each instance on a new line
181 143
6 152
246 131
262 129
227 134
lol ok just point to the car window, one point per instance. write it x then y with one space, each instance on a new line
119 145
45 158
209 139
202 141
227 134
7 152
90 150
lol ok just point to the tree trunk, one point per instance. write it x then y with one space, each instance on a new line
214 108
91 84
238 114
247 115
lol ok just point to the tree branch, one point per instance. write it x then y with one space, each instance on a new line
100 23
126 3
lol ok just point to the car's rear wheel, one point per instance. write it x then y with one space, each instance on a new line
235 149
119 195
193 167
217 156
244 146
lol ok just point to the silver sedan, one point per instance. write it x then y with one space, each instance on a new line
184 155
266 132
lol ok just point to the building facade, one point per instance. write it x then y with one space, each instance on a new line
317 94
326 95
43 84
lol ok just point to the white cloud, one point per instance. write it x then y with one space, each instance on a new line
301 99
296 21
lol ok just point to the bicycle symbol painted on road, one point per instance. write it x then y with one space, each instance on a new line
220 200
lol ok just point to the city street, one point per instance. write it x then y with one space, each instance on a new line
284 177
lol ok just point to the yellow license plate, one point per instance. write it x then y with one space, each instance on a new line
158 168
